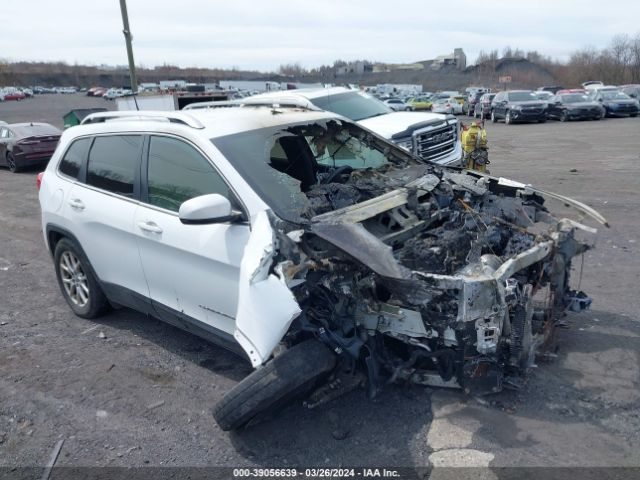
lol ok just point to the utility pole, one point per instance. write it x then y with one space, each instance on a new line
127 37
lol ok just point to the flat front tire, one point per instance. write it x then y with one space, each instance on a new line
77 282
291 374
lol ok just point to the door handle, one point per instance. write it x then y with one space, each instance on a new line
76 204
149 227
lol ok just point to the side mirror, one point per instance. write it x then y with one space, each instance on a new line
207 209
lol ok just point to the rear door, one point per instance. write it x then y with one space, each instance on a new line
192 270
101 208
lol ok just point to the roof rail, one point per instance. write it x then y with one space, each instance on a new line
213 104
284 101
172 117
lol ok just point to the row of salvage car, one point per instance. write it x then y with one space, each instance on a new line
365 257
572 104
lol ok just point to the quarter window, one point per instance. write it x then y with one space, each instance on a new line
178 172
113 162
73 159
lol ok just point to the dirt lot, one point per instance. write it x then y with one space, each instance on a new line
142 395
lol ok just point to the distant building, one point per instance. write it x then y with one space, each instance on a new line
172 84
457 59
357 68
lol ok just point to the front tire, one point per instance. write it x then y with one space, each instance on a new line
564 117
77 282
494 119
507 118
289 375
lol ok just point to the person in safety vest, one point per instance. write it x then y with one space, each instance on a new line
475 153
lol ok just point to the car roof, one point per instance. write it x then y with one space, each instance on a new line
211 123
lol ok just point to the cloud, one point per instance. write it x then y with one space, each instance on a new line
263 34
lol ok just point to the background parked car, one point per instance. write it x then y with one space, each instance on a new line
397 105
460 99
616 103
518 106
469 106
27 144
483 107
574 106
11 93
632 90
447 105
422 102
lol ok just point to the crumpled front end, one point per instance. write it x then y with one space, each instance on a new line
456 279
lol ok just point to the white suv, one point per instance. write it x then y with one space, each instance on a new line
308 245
431 136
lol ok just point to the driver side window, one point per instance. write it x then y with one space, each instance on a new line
177 172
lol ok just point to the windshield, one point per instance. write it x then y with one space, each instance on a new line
574 98
521 97
353 105
615 96
288 165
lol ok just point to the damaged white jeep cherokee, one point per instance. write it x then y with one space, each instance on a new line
310 245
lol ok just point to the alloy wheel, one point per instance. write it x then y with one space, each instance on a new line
74 279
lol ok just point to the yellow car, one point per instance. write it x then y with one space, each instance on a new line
420 103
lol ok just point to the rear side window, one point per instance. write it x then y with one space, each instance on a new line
113 163
178 172
73 159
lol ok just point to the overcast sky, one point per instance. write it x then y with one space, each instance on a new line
263 34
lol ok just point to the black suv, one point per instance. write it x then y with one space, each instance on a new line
518 106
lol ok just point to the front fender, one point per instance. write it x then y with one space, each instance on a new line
266 306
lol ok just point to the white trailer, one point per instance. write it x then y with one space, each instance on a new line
171 101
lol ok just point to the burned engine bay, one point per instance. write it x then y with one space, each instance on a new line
414 272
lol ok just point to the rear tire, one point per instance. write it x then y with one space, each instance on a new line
78 284
11 163
289 375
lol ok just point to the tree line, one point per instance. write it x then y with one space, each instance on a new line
616 64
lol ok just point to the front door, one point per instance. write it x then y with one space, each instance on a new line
191 270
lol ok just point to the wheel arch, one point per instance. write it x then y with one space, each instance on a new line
55 233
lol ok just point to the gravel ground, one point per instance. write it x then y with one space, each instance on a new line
142 395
